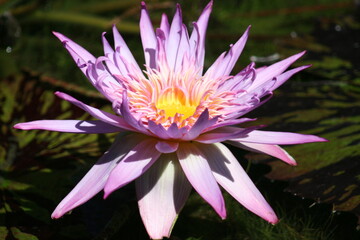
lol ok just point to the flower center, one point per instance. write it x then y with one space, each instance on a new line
173 101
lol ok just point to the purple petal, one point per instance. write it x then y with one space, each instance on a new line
229 123
123 48
197 38
158 130
183 51
274 70
78 53
166 146
174 132
96 113
278 138
233 55
148 37
225 66
71 126
286 75
107 48
200 124
272 150
162 191
129 118
94 181
172 43
232 177
198 172
134 164
224 134
165 26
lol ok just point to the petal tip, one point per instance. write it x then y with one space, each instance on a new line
106 193
19 126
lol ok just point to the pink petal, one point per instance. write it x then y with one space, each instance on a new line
96 113
148 37
94 181
198 172
162 191
232 177
166 146
72 126
272 150
134 164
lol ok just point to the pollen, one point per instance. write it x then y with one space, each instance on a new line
174 101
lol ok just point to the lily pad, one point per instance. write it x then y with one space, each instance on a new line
36 167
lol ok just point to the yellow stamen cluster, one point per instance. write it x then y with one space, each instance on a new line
166 97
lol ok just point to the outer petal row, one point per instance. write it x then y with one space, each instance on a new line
232 177
71 126
94 181
198 172
162 191
134 164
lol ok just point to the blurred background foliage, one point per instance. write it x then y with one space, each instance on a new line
318 199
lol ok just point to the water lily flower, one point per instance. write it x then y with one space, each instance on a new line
172 119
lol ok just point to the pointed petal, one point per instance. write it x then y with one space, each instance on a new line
278 138
165 26
274 70
94 181
232 177
200 124
107 48
96 113
162 191
227 63
229 123
198 172
166 146
272 150
232 56
197 38
158 130
172 43
286 75
80 55
134 164
148 37
129 118
71 126
124 49
221 134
